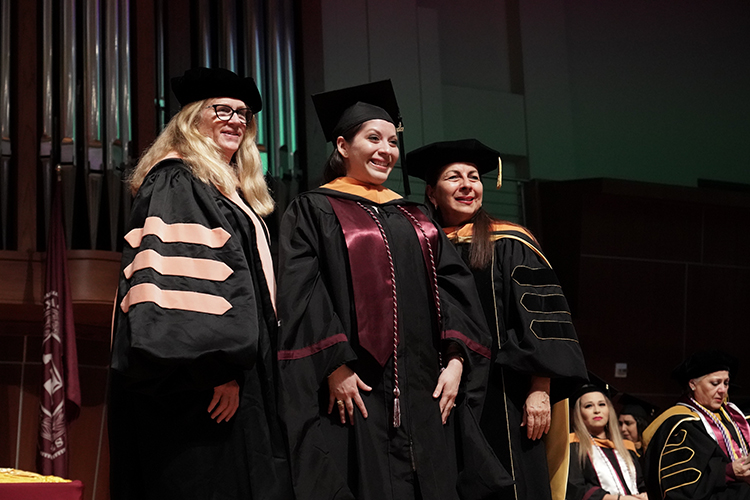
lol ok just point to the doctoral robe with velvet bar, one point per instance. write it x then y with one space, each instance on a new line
372 459
532 334
684 461
193 312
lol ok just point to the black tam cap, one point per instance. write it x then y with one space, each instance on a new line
340 110
702 363
427 161
637 407
204 83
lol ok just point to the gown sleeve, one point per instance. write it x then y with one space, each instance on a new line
640 479
186 314
533 320
463 321
313 340
683 462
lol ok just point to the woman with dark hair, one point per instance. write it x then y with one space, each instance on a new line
381 333
192 410
536 357
634 419
699 448
603 466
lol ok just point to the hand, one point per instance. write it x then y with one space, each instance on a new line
741 469
344 385
536 411
447 387
225 402
641 496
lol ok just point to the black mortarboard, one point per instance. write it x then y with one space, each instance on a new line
204 83
340 110
637 407
702 363
427 161
595 384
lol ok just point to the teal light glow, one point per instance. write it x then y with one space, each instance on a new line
264 161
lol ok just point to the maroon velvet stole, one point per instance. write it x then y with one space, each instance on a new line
372 285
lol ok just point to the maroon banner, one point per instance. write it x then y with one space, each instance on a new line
61 393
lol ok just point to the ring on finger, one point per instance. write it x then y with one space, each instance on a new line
340 403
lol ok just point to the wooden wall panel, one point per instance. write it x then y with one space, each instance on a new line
89 459
717 304
32 384
10 375
642 228
85 432
100 490
727 236
625 303
652 273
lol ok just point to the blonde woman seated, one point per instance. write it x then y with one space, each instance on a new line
603 466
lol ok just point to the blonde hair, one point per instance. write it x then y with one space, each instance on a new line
205 159
584 436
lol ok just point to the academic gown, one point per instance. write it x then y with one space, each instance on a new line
532 334
583 482
320 331
193 312
684 462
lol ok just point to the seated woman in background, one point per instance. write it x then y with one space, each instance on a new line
699 447
602 465
633 419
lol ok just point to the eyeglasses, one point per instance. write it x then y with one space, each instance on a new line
225 113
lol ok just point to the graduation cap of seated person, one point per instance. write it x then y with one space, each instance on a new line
204 83
341 110
427 161
595 384
637 407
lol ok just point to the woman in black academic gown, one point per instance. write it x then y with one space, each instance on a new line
603 466
381 331
192 410
537 360
699 448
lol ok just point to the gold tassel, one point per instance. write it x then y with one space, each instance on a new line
499 173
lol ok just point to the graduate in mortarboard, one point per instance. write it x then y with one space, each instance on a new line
537 360
699 448
192 410
635 415
383 346
603 466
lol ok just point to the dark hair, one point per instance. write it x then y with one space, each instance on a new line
640 424
335 166
481 247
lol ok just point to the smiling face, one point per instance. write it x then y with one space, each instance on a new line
457 193
226 134
372 152
629 428
711 390
595 413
